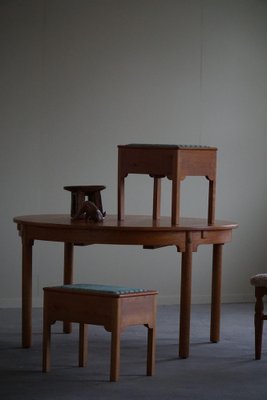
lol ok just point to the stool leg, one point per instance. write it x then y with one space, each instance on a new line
258 322
98 200
150 369
175 201
83 345
115 355
46 345
156 197
121 195
211 205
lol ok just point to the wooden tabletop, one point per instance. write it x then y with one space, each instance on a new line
131 222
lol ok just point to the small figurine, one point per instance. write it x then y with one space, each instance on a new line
90 211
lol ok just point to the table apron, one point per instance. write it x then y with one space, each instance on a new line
135 237
211 237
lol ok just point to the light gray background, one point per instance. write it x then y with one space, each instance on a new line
79 77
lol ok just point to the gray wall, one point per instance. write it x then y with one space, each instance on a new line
79 77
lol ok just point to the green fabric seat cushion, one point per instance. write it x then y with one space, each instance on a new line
96 288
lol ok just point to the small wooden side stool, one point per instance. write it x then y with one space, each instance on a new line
259 281
172 161
113 307
79 194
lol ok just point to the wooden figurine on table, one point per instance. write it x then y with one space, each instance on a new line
89 211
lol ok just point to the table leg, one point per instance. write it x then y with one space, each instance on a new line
216 293
185 299
26 292
68 275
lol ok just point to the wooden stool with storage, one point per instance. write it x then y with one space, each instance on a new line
113 307
172 161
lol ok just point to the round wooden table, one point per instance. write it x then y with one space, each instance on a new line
133 230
